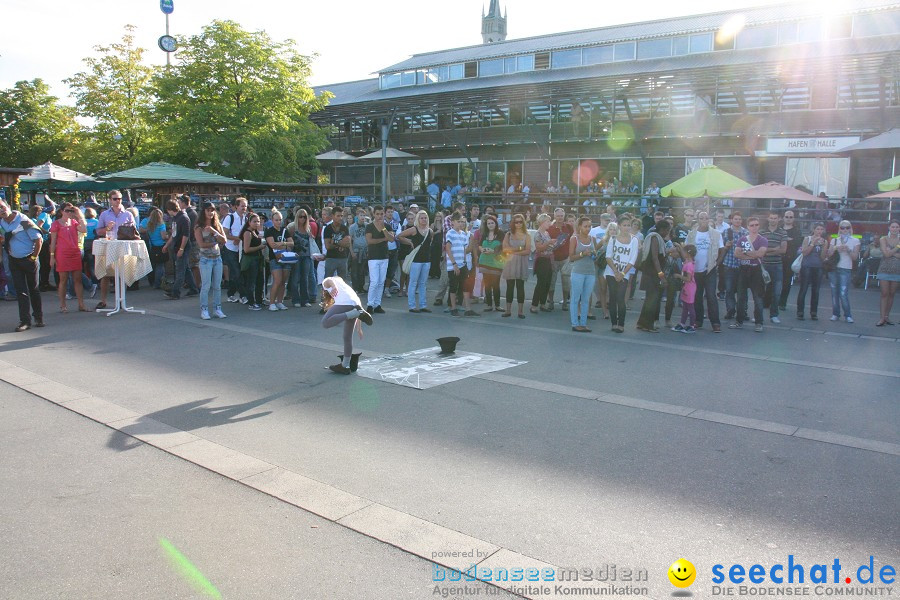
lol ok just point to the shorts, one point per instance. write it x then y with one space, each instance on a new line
274 265
194 257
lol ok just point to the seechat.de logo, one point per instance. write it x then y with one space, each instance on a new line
682 573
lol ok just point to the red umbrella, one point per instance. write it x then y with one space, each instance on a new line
774 190
891 194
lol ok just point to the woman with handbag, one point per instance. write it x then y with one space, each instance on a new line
543 265
889 271
846 248
303 274
517 246
208 234
813 252
489 255
252 267
278 241
418 262
65 255
155 229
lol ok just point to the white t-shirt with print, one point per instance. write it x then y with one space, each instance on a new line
621 255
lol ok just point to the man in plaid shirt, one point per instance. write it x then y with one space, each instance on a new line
732 265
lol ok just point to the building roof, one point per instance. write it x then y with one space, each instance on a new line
159 172
632 31
864 53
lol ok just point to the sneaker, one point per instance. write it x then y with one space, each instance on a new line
94 290
255 307
379 310
776 320
243 300
364 316
689 330
204 314
281 306
69 296
38 322
799 316
471 313
424 310
370 308
340 369
307 305
23 327
234 298
297 305
679 328
454 313
814 317
849 319
758 328
273 308
729 317
717 329
219 314
736 326
835 318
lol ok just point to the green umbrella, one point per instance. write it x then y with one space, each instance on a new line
705 181
889 185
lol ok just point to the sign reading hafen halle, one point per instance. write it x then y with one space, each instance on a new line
809 145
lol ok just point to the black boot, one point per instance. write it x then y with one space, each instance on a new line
340 368
354 361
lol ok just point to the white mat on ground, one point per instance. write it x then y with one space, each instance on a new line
427 368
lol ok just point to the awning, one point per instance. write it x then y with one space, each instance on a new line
705 181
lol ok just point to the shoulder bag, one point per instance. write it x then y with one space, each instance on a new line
798 262
286 257
831 262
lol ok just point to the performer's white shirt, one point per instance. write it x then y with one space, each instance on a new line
343 294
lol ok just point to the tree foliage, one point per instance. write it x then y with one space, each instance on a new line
116 94
239 102
34 127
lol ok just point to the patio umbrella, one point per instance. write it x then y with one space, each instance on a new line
885 141
705 181
773 190
891 194
335 155
390 153
49 176
889 184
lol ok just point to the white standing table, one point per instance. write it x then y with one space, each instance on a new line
126 261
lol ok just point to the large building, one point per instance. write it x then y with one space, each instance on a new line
644 102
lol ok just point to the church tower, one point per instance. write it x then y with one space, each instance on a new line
493 26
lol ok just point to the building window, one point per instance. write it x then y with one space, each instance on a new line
509 65
817 175
681 46
757 37
525 63
390 80
624 51
787 34
654 48
811 31
702 42
692 163
488 68
471 70
597 55
876 23
541 61
457 71
408 78
566 58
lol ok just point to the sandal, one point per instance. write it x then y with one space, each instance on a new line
534 311
506 314
100 305
521 316
63 309
82 309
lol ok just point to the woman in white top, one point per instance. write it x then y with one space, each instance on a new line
847 247
621 254
343 306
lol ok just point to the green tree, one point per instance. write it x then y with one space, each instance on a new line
239 102
116 94
34 127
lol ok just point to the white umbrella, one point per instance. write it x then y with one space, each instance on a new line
335 155
50 173
389 153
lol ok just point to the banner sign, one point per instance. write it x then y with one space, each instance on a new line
809 145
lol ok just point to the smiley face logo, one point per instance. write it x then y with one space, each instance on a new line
682 573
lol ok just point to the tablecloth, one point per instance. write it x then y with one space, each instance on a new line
132 256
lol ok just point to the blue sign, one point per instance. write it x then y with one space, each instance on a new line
166 6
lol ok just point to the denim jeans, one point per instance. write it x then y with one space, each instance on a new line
773 290
581 287
616 300
359 266
732 275
181 268
840 292
706 286
377 273
235 282
750 278
810 277
210 277
418 277
85 283
303 282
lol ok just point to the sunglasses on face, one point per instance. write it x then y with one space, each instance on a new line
845 228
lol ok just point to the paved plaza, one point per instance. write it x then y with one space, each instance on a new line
615 455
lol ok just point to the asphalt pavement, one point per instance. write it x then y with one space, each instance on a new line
602 449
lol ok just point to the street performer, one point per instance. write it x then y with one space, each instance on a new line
342 305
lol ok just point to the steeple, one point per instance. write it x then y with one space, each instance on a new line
493 25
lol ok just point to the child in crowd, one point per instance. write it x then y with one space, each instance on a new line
688 291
